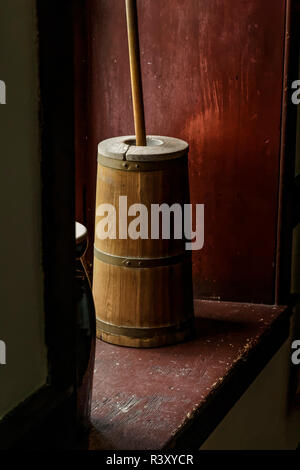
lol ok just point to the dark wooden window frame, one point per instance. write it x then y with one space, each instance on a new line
47 418
289 188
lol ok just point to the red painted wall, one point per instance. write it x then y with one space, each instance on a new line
212 73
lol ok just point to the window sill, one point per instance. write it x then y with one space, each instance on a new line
175 396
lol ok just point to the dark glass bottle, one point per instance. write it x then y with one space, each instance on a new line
86 333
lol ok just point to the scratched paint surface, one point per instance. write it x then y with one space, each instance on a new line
142 397
212 75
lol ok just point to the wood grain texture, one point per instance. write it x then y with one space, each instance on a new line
148 187
212 74
195 383
135 71
143 298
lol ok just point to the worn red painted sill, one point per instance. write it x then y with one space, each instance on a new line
175 396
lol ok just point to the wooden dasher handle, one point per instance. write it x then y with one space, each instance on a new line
135 72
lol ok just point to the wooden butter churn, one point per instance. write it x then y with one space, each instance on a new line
142 286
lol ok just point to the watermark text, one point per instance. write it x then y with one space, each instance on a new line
163 221
296 354
2 92
2 352
296 94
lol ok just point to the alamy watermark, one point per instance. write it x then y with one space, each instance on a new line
296 94
2 352
2 92
2 343
163 221
296 354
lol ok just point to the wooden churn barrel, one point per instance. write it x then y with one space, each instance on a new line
142 281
